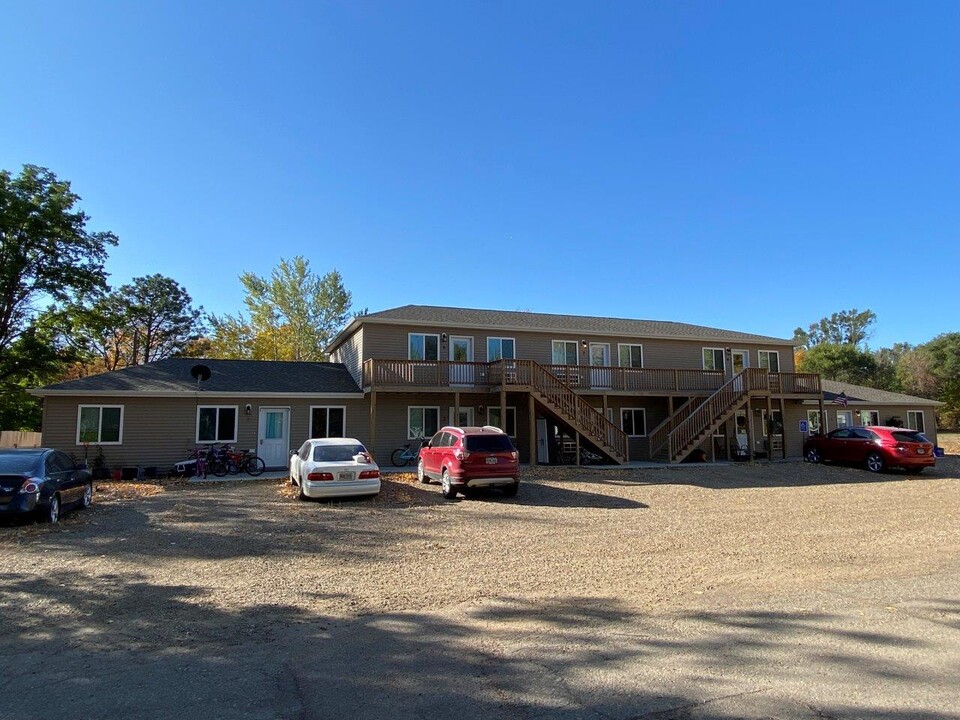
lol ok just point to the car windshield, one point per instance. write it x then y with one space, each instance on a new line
336 453
488 443
908 436
19 463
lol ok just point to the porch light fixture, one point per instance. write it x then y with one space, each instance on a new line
583 342
248 409
443 336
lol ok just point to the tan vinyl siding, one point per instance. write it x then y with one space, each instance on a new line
391 342
350 353
162 431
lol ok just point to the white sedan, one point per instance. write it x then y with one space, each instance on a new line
333 467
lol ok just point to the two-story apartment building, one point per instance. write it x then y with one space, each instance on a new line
629 390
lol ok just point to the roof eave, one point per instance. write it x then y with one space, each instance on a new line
43 392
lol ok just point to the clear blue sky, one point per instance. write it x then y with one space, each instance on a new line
746 165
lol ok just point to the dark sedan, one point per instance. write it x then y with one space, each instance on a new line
876 447
40 481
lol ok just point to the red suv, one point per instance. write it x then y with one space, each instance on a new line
876 447
469 457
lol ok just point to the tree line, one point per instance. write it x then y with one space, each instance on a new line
60 319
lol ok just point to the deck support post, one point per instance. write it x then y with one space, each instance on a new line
503 407
532 429
769 427
746 407
456 408
373 423
823 416
783 430
576 435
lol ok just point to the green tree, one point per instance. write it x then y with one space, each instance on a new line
47 254
889 375
844 363
934 372
847 327
293 315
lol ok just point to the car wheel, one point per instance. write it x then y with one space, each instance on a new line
293 480
52 514
449 491
301 495
813 455
511 489
875 462
421 476
87 498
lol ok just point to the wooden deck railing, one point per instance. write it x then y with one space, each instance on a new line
659 436
425 373
566 402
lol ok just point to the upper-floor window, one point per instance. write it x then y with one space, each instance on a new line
499 348
631 356
565 352
217 423
713 359
100 424
769 360
915 420
423 347
328 421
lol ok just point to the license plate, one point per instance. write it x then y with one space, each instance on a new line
346 476
921 451
491 461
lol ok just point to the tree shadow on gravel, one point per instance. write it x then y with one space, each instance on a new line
74 645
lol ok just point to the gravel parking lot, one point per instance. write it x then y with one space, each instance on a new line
191 587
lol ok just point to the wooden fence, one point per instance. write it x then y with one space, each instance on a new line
15 438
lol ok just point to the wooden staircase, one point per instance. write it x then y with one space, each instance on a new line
561 401
659 437
714 411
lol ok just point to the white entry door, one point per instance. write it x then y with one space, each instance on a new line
600 373
461 359
844 418
273 445
464 419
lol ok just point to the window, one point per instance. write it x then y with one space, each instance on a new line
813 421
633 421
328 421
631 356
423 347
510 426
844 418
100 424
915 420
464 420
777 422
869 417
769 360
565 352
501 349
713 359
422 422
217 423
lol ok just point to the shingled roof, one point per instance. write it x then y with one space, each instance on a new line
226 376
860 394
546 322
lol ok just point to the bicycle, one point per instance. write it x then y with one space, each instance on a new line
233 461
401 457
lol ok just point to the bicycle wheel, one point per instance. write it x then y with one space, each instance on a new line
398 459
232 466
255 466
217 467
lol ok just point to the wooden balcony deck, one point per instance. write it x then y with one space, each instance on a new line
446 375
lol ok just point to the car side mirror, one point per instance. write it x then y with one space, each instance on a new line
83 474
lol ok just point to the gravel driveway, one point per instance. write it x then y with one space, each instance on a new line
192 598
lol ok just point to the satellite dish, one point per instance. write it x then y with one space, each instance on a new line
200 373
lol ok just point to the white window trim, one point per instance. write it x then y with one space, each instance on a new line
837 418
763 421
740 351
723 355
768 353
424 335
620 346
590 347
501 339
423 407
328 407
633 409
504 425
867 412
810 414
100 424
236 423
473 347
921 414
576 346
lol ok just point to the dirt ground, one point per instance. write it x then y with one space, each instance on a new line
162 567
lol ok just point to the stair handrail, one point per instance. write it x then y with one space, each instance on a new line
719 403
659 436
598 428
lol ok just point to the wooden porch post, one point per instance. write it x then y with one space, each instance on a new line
769 427
823 416
576 434
456 408
373 423
783 431
503 407
533 429
670 406
746 406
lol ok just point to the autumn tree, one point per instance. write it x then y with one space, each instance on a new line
847 327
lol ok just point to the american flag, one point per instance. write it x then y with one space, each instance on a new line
841 399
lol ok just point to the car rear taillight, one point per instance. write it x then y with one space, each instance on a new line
515 455
31 486
368 474
320 476
461 454
901 449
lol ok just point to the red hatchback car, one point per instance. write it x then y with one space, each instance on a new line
876 447
470 457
